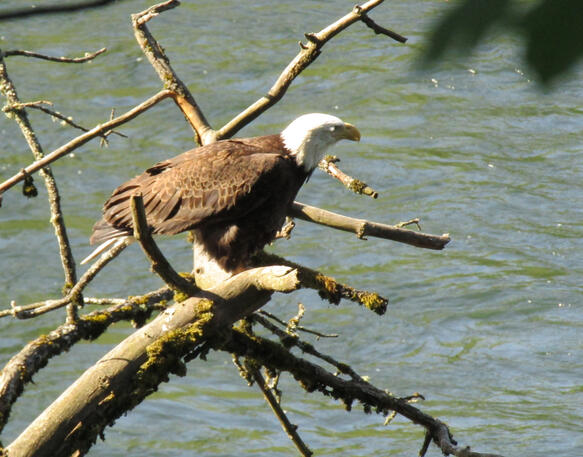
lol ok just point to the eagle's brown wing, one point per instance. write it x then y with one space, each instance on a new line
209 183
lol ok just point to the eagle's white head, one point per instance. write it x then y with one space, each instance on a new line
308 137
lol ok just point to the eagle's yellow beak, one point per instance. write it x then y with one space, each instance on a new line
351 132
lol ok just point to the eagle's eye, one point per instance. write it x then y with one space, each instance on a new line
332 128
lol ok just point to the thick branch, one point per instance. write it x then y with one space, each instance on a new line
82 139
36 354
363 228
133 369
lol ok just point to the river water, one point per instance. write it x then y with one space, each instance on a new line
490 330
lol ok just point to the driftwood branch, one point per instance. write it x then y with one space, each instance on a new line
143 360
363 228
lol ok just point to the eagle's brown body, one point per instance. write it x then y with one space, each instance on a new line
236 192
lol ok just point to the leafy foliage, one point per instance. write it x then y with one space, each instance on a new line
551 29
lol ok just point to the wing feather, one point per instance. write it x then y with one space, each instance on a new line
214 182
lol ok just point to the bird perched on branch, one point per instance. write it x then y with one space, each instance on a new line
235 193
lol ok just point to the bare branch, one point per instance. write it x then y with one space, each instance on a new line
86 58
161 64
377 28
308 53
144 360
160 265
82 139
363 228
313 377
328 164
289 428
74 294
57 219
328 288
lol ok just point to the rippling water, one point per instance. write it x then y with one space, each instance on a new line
489 330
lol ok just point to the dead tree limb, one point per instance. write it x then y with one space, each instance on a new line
36 354
57 218
363 228
86 58
313 377
79 141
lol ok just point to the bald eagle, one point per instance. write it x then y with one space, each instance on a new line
235 193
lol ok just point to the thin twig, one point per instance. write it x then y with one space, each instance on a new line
73 295
67 119
306 347
86 58
79 141
290 429
299 328
377 28
328 164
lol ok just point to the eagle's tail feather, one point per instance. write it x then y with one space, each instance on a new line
106 245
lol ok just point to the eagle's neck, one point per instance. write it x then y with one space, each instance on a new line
307 149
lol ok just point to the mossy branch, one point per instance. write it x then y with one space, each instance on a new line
328 288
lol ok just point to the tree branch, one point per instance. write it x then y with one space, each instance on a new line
308 53
57 219
328 164
36 309
313 377
86 58
36 354
363 228
289 428
161 64
79 141
159 264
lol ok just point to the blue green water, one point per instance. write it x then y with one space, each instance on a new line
489 330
